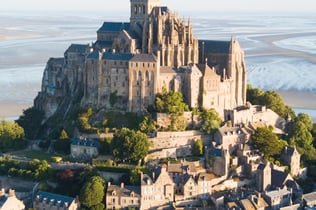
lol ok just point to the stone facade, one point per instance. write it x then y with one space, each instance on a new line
292 158
121 197
130 63
84 148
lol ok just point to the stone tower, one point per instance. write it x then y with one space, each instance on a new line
263 177
140 10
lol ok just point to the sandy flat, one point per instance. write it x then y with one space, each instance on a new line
11 109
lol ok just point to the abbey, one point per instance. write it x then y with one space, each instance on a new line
130 63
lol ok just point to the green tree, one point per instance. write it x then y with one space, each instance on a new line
30 121
11 136
300 135
92 192
211 121
130 145
267 142
306 119
198 148
170 102
270 99
63 135
148 125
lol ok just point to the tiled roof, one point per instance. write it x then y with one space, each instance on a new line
54 198
113 27
144 58
85 142
211 46
310 197
117 56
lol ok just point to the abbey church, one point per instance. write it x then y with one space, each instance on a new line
131 62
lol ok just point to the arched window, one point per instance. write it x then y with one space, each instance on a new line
135 9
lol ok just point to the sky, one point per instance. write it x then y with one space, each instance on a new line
295 6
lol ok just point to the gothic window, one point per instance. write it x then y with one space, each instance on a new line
136 64
143 64
135 9
147 75
140 75
140 9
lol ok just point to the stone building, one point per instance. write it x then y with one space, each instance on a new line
130 63
84 148
121 197
51 201
292 158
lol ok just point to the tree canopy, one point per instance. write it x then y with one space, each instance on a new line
170 102
267 142
211 121
197 149
11 136
31 120
271 99
92 193
129 145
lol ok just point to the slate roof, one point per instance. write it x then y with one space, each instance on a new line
3 199
78 48
104 44
54 198
117 56
215 152
94 55
85 142
278 178
144 58
211 46
113 26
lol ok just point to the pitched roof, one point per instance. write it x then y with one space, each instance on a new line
113 26
104 44
85 142
278 178
310 197
211 46
117 56
54 198
94 55
144 58
123 191
78 48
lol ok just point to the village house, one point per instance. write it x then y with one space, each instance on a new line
51 201
84 148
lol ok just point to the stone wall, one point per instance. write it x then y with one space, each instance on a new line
191 121
175 144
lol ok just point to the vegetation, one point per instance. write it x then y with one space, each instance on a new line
170 103
148 125
129 145
211 121
267 142
32 170
301 135
198 148
30 121
11 136
271 99
92 193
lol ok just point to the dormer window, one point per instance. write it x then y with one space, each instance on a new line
113 193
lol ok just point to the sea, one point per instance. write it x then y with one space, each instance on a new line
280 49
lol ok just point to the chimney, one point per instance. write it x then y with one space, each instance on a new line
122 185
109 184
154 176
2 192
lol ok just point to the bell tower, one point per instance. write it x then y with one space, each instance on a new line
140 9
